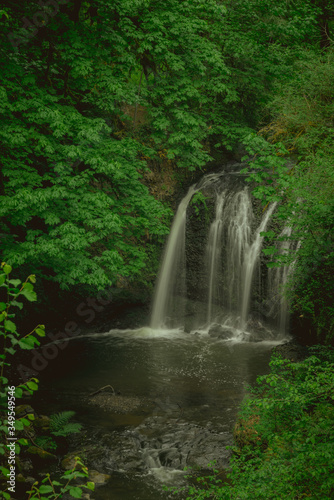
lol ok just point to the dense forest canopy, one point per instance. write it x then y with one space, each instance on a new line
94 93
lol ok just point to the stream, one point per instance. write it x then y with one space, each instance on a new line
178 389
179 395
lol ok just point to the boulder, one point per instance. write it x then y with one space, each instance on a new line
42 422
220 332
98 478
42 454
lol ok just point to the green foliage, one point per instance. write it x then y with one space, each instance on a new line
290 419
49 489
60 425
10 425
46 442
73 202
197 201
302 124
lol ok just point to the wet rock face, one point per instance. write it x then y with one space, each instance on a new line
220 332
292 350
197 229
227 288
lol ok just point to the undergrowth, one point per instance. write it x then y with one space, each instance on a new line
284 437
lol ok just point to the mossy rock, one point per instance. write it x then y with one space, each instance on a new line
24 410
42 422
98 478
42 454
20 478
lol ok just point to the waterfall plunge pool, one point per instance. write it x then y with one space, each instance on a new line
179 395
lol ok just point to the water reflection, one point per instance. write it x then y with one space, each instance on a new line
188 386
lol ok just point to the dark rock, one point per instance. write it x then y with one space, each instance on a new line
41 454
292 350
24 466
24 410
42 422
220 332
20 478
170 457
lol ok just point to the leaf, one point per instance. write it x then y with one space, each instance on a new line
32 386
7 269
23 441
90 485
10 326
17 304
3 306
18 392
76 492
15 283
28 342
19 425
2 279
44 488
28 292
40 332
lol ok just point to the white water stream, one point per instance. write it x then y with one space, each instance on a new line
231 261
172 261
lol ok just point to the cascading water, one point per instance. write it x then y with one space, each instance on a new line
239 219
231 258
173 262
277 278
251 257
166 307
213 254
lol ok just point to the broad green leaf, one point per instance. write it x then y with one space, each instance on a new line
23 441
40 332
32 386
10 326
7 269
18 392
28 292
10 350
17 304
76 492
15 283
19 425
45 488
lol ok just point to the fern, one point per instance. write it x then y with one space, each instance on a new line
70 428
60 426
46 442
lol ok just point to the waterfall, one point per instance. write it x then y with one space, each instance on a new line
213 252
239 218
251 257
277 278
166 306
232 270
171 265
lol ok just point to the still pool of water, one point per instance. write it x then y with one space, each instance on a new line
176 407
